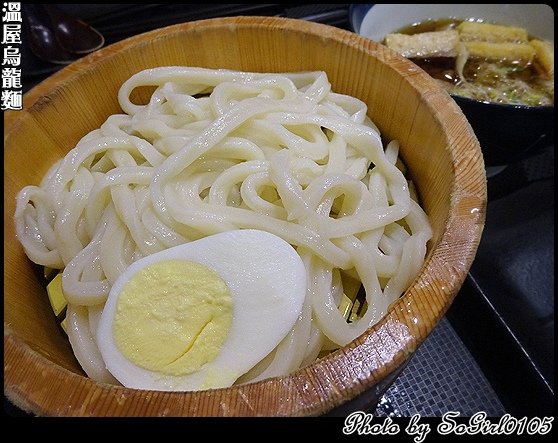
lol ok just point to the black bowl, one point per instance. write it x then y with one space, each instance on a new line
508 133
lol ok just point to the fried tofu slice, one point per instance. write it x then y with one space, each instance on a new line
522 53
544 58
487 32
425 44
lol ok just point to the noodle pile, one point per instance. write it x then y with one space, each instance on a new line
216 150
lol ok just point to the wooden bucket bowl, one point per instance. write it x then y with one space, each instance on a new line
41 374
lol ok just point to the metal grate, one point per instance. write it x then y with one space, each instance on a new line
441 377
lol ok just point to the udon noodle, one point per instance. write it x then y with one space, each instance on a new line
216 150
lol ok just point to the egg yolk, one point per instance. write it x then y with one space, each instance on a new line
173 317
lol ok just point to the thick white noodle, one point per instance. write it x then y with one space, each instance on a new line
84 345
215 150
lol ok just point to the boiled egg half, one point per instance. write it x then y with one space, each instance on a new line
199 315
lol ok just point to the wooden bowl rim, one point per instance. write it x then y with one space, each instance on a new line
306 391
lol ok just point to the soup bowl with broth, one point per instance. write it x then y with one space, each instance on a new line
49 370
509 123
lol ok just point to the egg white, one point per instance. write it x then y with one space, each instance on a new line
267 282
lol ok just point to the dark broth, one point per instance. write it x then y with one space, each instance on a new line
501 81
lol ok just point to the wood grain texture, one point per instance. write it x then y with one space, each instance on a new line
438 146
